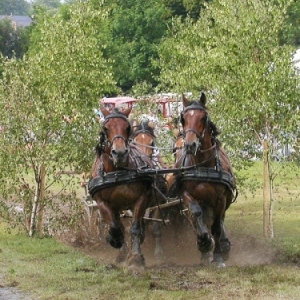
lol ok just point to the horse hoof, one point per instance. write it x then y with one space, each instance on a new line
116 243
218 261
218 264
205 246
136 261
205 259
121 258
225 248
115 237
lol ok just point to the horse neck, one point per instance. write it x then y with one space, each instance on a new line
206 153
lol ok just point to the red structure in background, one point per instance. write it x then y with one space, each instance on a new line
166 103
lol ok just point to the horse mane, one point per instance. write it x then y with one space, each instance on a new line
196 103
116 110
144 125
214 129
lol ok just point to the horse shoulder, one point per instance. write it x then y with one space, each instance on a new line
225 162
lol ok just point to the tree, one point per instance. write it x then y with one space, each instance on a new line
46 102
14 7
136 28
233 52
13 40
290 31
184 8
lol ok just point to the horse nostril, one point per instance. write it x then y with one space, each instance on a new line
113 152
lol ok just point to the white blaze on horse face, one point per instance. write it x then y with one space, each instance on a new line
191 112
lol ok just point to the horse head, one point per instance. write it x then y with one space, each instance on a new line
143 136
195 121
116 130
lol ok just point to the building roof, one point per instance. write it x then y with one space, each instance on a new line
18 20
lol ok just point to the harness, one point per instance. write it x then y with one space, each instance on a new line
124 175
116 178
206 174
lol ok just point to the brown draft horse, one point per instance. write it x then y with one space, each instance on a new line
143 138
116 185
206 182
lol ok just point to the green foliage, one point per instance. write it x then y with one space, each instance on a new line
233 53
290 32
136 29
64 76
13 41
15 7
48 4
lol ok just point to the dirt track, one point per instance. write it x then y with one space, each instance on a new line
180 249
11 292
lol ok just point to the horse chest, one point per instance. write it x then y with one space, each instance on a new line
203 192
123 195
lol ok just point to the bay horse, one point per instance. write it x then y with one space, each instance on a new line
116 184
206 181
143 138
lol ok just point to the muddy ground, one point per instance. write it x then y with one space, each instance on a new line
179 245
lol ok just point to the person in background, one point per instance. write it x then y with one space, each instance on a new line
156 158
99 115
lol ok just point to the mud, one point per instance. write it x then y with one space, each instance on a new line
179 245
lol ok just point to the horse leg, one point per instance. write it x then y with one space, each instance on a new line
205 243
156 232
137 234
224 241
115 235
216 230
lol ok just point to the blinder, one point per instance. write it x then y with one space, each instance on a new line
190 107
103 135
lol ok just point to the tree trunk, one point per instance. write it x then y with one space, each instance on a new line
271 181
34 208
266 198
41 202
36 200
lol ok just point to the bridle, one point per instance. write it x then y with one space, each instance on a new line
117 136
199 136
139 131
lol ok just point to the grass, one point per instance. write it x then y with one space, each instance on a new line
50 270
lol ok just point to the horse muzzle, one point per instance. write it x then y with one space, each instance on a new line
191 147
120 157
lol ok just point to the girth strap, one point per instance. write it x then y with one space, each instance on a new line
116 178
207 175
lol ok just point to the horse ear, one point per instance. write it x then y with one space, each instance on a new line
127 111
184 100
175 132
134 125
104 111
151 125
202 99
